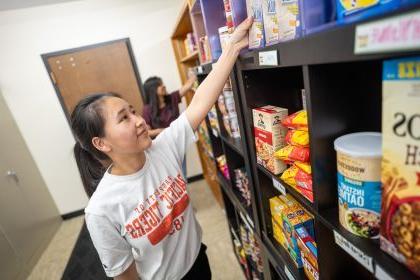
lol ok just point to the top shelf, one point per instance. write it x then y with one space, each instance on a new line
329 46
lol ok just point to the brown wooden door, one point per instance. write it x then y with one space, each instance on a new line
107 67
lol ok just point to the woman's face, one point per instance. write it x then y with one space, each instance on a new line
161 90
125 131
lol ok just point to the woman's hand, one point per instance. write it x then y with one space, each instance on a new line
239 38
188 85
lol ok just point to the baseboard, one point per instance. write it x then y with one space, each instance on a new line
73 214
195 178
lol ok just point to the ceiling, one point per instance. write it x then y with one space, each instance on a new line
19 4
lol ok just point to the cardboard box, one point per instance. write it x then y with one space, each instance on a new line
294 217
269 136
400 215
256 32
271 21
308 252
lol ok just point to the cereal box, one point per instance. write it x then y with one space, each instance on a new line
289 20
271 21
400 217
269 136
308 252
256 32
277 206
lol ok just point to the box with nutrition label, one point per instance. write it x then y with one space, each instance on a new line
400 219
269 136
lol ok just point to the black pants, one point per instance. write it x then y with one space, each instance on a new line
201 268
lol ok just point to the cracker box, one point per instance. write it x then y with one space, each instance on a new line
308 252
294 217
277 206
271 21
400 216
256 32
270 136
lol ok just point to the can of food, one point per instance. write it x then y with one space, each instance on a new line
359 182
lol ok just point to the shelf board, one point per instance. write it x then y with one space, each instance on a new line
281 257
190 58
227 188
334 45
370 247
234 143
298 196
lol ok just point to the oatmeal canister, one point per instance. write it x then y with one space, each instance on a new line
400 221
359 182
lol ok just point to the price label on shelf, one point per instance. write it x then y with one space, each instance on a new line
250 222
396 33
353 251
268 58
200 69
288 273
279 186
381 274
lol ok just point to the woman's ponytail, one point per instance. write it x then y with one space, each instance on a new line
87 122
91 170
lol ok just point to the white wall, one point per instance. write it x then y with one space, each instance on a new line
27 33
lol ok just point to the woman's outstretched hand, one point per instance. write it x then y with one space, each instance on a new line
239 38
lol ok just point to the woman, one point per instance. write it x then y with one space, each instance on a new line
139 215
162 108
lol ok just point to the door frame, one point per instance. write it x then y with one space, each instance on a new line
127 42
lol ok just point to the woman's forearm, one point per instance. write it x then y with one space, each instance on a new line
210 89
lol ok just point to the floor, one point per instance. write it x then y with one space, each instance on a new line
215 235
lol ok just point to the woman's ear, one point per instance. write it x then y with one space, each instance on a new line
101 145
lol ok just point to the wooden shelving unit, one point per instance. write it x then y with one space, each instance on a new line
343 95
184 62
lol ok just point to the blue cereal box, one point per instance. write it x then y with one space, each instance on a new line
355 10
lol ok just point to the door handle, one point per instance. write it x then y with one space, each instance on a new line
12 174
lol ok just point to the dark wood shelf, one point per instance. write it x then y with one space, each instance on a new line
282 259
227 188
333 45
370 247
234 143
298 196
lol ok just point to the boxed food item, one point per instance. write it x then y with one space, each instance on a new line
294 217
256 32
224 36
353 10
269 136
271 21
289 20
400 216
277 204
235 11
308 252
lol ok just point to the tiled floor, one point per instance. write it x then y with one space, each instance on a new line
215 235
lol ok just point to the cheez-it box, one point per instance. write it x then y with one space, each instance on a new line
269 136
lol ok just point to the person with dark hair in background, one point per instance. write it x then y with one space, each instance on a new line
162 108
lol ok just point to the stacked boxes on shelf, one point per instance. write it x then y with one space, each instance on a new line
242 184
226 105
293 228
190 44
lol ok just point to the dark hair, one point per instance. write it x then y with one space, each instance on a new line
87 122
150 88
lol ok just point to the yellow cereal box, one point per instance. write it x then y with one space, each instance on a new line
400 217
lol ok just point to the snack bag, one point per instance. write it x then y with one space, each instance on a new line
298 138
289 175
304 166
298 120
293 153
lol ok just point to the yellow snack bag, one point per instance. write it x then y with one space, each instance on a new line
293 153
288 176
304 166
298 120
298 138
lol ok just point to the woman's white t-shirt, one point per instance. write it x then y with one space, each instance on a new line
147 216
